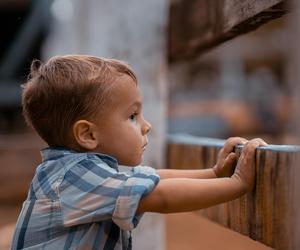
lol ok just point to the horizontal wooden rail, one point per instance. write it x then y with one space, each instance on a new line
198 25
266 214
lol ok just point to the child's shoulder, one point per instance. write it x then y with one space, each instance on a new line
59 163
88 162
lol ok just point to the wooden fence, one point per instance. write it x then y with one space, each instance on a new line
266 214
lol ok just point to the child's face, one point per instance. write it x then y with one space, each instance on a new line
122 129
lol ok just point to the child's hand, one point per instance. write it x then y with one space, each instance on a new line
245 170
226 158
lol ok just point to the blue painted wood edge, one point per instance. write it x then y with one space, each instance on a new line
188 139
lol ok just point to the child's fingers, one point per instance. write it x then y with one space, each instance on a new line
231 142
262 142
250 147
245 170
230 159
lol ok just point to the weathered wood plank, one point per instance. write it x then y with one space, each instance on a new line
266 214
198 25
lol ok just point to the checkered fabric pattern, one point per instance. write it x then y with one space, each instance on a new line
81 201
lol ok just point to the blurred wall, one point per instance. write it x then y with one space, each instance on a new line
133 31
293 74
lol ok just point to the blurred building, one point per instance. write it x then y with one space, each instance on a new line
24 28
239 88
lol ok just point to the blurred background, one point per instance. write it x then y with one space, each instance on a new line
240 87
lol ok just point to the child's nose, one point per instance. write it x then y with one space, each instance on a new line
146 127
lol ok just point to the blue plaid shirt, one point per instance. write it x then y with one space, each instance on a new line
81 201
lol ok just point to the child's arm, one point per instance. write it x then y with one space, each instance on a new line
186 173
224 167
181 194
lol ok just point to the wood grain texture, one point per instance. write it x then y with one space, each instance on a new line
266 214
198 25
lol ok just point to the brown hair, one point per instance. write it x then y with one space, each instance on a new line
66 89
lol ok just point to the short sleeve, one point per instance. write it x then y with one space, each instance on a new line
92 191
144 170
142 181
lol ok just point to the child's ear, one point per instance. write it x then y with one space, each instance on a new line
84 133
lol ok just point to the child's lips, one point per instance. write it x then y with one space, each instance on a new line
144 147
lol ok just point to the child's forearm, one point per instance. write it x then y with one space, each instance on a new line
182 173
182 195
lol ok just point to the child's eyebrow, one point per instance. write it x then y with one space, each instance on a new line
138 104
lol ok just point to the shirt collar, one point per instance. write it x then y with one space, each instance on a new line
53 153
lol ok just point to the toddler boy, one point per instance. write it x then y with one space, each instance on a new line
89 111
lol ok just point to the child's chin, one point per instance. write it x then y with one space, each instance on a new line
132 163
138 162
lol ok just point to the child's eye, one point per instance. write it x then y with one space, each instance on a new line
133 116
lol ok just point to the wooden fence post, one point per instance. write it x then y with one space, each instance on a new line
267 213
